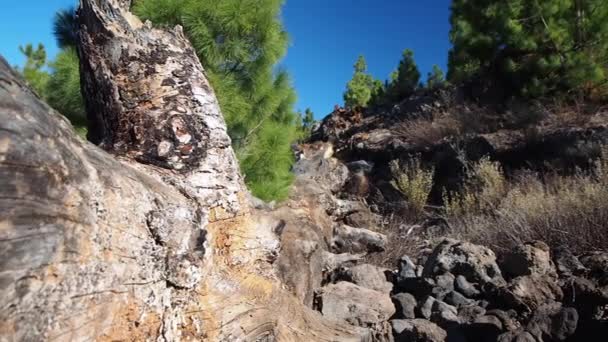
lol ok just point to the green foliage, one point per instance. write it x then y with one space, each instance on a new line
239 42
378 92
359 89
435 78
33 72
308 119
405 80
60 87
304 123
414 182
63 91
531 48
65 28
272 148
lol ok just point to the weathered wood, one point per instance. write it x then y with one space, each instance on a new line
155 241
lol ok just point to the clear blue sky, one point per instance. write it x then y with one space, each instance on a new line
326 38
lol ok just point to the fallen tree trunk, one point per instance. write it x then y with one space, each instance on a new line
155 240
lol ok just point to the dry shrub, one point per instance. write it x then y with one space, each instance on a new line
426 132
485 187
414 182
400 242
571 211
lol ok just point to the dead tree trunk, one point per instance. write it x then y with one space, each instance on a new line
152 241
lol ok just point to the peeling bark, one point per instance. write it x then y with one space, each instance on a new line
155 240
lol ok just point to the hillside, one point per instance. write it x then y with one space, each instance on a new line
417 213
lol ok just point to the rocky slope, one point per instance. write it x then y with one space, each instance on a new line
153 236
450 290
450 129
455 291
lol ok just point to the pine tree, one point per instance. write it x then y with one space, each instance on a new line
406 79
33 71
239 42
65 28
63 88
435 78
378 92
359 89
308 119
530 48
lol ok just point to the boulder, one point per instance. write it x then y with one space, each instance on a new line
564 324
516 336
407 269
532 258
444 284
508 322
458 300
348 239
419 287
553 323
444 315
597 263
405 305
360 166
584 294
417 330
475 263
483 328
566 263
466 288
425 307
469 313
533 292
368 276
354 304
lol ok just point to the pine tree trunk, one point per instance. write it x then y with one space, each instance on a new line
155 240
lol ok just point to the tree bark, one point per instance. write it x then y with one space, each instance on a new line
155 240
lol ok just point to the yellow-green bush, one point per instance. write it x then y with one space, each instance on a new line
414 182
485 186
559 210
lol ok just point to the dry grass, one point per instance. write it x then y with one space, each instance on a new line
485 187
456 120
571 211
426 132
400 241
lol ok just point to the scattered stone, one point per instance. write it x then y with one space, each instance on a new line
476 263
507 320
516 336
483 328
456 299
532 258
552 322
564 324
419 270
444 314
354 304
419 287
363 166
418 330
348 239
469 313
426 307
535 291
444 285
566 263
405 305
368 276
463 286
407 269
597 263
